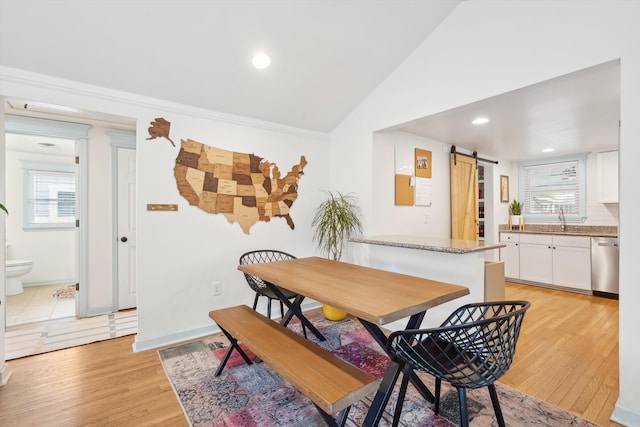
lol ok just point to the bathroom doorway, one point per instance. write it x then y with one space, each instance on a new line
87 259
40 229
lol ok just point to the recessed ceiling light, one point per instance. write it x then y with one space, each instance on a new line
261 60
480 121
548 150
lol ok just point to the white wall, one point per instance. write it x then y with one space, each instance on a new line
181 253
5 372
52 251
485 48
196 248
391 219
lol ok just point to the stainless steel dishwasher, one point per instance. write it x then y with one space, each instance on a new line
604 266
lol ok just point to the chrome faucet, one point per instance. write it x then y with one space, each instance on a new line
562 220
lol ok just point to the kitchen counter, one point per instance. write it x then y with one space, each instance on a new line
570 230
428 243
459 262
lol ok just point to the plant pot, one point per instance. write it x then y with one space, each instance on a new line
332 313
515 220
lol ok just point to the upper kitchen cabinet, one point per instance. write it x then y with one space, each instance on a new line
607 164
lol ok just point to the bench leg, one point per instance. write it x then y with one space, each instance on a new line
234 344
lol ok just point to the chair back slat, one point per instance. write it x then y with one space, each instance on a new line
258 257
473 348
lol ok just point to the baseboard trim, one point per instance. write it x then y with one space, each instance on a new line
67 281
624 416
99 311
153 343
549 286
5 374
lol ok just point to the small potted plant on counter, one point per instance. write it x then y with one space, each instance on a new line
335 219
515 210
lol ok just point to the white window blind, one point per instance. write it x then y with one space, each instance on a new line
548 187
50 198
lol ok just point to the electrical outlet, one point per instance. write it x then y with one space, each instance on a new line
216 288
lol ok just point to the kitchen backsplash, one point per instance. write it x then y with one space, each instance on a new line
569 229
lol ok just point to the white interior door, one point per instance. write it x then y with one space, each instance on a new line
126 182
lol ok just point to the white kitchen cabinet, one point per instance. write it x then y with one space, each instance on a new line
607 177
557 260
536 258
571 262
510 254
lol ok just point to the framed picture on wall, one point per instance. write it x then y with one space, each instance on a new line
423 163
504 188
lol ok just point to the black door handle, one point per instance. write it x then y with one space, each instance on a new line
123 239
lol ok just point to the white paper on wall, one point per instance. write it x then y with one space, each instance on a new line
424 191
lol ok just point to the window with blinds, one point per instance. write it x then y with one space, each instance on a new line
547 187
50 200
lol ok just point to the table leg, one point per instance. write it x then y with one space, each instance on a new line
382 395
391 375
294 310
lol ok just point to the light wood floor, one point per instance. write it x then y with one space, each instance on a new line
567 355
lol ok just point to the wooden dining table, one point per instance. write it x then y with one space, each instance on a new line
375 297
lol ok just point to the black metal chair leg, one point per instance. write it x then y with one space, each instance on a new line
255 301
269 308
281 309
496 404
436 403
462 398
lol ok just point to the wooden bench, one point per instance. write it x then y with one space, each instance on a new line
332 384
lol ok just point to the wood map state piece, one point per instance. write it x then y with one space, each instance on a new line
243 187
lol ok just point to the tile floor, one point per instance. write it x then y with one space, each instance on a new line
35 304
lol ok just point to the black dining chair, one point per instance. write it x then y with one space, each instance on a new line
259 286
473 348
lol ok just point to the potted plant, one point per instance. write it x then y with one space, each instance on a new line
515 210
335 219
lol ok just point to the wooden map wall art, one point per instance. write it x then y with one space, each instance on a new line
243 187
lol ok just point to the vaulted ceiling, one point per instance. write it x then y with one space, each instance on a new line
327 56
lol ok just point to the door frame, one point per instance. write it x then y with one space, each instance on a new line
119 140
80 133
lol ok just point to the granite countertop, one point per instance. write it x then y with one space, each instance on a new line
428 243
570 230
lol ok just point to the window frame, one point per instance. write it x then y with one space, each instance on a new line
62 168
582 189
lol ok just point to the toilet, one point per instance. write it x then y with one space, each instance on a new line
15 270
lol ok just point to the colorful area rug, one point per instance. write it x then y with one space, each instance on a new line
256 396
68 291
